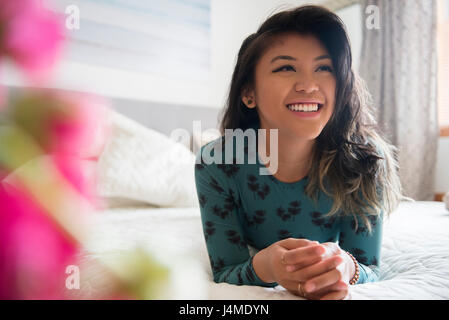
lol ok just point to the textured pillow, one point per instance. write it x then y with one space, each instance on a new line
141 164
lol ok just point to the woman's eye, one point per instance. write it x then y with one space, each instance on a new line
287 67
325 68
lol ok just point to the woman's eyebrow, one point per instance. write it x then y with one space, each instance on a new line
282 57
325 56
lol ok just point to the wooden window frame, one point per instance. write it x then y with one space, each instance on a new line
444 131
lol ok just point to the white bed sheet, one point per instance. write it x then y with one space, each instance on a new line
414 259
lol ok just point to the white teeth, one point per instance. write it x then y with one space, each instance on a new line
307 107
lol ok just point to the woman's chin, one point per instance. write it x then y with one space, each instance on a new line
302 133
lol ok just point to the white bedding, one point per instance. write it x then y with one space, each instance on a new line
414 259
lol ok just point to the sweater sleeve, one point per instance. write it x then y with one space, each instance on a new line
364 246
225 241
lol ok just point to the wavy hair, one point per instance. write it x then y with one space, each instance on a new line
352 162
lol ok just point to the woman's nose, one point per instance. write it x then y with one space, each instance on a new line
306 83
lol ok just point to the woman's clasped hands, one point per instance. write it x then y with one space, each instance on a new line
312 270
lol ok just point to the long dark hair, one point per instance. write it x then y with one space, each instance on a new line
351 157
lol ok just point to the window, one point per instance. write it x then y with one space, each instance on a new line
443 66
346 11
164 38
133 49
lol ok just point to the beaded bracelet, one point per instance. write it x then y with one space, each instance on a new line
355 278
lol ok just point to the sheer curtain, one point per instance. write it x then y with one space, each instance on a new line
399 64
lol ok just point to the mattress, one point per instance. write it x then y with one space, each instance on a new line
413 265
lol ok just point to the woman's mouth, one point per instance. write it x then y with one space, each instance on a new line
305 109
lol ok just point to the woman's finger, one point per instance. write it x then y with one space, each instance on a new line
293 243
309 261
338 286
298 256
316 269
323 280
335 295
291 286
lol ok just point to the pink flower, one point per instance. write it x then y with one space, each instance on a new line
71 127
31 35
63 123
2 94
82 132
35 252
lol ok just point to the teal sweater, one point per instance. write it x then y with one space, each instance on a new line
240 207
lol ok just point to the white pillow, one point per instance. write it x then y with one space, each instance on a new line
141 164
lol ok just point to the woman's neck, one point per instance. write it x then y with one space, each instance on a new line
294 157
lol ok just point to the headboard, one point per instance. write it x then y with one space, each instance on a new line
165 118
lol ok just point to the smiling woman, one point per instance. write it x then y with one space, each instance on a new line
302 85
317 220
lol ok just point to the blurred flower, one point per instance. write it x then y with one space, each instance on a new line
2 93
62 122
46 201
135 274
44 195
30 35
69 126
34 250
2 97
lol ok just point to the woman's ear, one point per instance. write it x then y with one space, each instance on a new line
248 98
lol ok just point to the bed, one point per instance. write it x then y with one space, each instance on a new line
157 209
413 263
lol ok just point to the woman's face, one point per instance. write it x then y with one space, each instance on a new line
296 68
